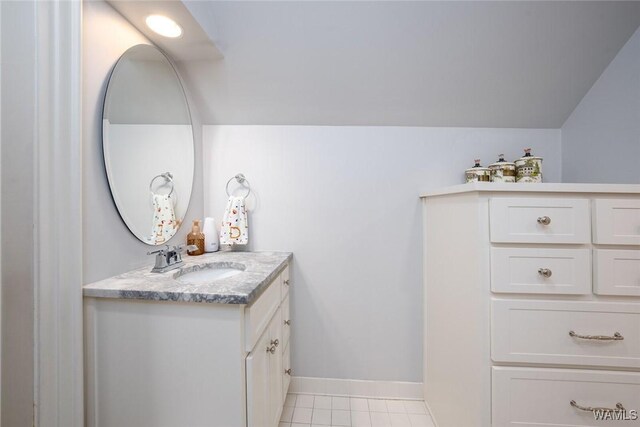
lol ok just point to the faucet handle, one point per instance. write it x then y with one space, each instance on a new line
160 251
182 248
169 257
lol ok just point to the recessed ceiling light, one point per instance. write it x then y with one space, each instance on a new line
164 26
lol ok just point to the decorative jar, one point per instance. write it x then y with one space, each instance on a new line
502 171
528 168
477 173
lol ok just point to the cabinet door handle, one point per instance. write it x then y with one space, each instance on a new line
615 337
545 272
275 342
544 220
287 371
286 282
271 349
618 407
287 322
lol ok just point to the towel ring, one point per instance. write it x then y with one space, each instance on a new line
168 176
241 180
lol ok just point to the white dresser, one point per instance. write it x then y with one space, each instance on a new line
532 302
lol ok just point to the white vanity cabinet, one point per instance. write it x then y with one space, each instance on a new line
188 364
268 366
532 304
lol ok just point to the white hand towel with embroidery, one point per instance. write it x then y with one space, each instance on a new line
164 219
235 227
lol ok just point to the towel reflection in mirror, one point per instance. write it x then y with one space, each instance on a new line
164 219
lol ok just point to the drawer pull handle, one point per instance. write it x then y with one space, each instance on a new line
618 407
286 282
275 342
287 322
616 337
545 272
544 220
271 349
287 371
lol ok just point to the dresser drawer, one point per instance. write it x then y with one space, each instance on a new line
259 314
616 221
542 397
539 332
617 272
539 220
541 270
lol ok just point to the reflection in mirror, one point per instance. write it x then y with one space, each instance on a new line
148 144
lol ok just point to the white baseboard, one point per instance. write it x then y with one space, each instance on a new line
435 422
357 388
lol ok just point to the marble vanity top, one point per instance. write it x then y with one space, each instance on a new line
244 288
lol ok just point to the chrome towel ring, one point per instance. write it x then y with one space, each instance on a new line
168 176
240 178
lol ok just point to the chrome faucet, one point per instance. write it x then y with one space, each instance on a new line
169 258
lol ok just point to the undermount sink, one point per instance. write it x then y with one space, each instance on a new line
208 273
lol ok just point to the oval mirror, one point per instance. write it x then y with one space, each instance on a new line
147 139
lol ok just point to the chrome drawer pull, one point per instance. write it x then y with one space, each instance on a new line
616 337
545 272
287 322
544 220
286 282
275 342
287 371
618 407
271 349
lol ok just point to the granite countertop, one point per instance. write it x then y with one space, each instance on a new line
244 288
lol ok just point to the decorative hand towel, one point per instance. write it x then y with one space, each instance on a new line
235 227
164 219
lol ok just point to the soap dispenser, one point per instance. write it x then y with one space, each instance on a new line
196 237
210 235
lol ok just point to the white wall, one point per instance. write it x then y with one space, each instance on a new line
601 138
344 200
18 53
109 247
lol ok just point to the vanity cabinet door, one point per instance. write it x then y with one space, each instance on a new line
275 370
264 377
286 355
285 282
258 365
286 322
286 370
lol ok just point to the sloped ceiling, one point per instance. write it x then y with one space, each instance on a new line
480 64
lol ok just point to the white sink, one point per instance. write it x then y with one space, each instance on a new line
208 274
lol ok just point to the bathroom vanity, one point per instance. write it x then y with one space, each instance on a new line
532 304
163 352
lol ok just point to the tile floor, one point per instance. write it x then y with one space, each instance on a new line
302 410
